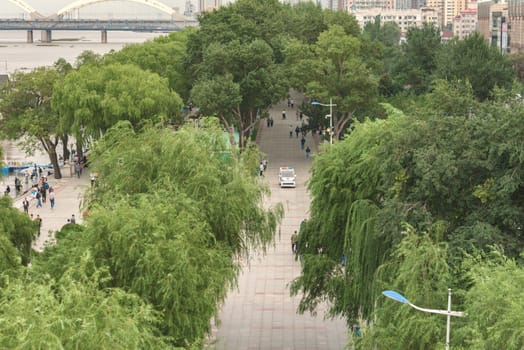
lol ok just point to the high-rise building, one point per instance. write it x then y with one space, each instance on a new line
493 23
516 21
208 5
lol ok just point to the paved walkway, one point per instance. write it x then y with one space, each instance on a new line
261 314
69 191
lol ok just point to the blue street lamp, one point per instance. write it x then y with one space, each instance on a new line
402 299
330 116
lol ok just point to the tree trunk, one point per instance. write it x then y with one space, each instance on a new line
65 150
50 147
54 160
79 150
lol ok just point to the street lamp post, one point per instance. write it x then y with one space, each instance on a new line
401 299
330 116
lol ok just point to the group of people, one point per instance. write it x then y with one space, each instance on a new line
269 122
41 191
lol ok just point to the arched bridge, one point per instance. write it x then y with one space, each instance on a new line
34 14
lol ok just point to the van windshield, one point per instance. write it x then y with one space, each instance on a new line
287 173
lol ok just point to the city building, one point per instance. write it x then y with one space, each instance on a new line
208 5
465 23
516 22
404 18
493 23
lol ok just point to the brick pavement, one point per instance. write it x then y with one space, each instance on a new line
68 198
261 314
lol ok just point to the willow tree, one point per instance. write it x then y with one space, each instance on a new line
95 97
168 218
459 172
419 270
494 304
17 232
73 312
27 114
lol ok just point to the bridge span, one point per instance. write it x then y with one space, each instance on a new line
70 9
46 26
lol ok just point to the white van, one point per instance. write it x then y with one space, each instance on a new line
287 177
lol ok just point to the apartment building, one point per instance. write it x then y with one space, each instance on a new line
465 23
404 18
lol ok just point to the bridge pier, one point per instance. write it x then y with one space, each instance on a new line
46 36
104 36
30 37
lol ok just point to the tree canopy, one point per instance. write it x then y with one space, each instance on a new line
95 97
454 176
27 114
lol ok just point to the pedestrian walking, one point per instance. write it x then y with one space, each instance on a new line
73 219
308 152
38 199
292 102
284 114
261 168
300 115
288 103
294 240
302 142
25 204
77 169
264 163
7 190
271 119
268 122
297 131
44 194
52 197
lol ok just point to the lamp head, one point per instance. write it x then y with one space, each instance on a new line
395 296
315 103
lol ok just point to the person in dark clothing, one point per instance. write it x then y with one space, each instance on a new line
25 204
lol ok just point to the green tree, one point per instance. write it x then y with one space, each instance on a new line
329 71
74 313
494 304
165 55
27 113
169 227
474 61
460 172
248 71
94 98
418 269
242 41
419 60
17 229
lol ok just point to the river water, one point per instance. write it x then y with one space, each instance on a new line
16 54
